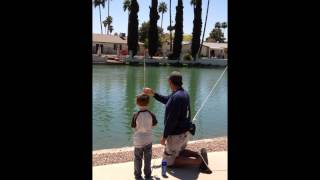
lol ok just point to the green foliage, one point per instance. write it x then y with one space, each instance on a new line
144 31
187 37
187 57
99 2
196 33
163 7
126 5
178 34
153 35
217 25
224 25
217 35
133 28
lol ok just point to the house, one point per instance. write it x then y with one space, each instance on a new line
209 49
166 47
110 44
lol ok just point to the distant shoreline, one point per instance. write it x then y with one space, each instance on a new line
103 60
125 154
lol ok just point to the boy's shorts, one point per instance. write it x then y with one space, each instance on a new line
175 144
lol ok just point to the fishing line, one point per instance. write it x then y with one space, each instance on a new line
144 71
210 93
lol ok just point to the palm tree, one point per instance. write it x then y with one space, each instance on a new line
217 25
105 24
99 3
204 29
162 10
126 6
110 28
108 6
193 3
108 22
224 25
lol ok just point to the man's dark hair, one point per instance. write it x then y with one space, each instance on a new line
176 78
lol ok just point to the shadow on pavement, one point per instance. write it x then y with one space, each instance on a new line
187 173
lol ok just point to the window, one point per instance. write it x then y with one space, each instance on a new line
114 47
120 46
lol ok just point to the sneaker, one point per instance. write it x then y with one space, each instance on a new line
206 171
138 178
203 167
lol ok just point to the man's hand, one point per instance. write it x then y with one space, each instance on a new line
148 91
163 141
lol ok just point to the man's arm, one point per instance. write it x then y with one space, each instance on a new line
158 97
161 98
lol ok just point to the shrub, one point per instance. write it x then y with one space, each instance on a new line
187 57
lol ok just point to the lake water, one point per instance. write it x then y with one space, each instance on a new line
116 86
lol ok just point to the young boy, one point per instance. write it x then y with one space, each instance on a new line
143 121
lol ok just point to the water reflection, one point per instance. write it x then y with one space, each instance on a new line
115 89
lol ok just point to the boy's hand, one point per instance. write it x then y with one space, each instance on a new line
148 91
163 141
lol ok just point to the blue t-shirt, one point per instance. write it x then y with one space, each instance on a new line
177 112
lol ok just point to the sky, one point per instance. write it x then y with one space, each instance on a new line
218 11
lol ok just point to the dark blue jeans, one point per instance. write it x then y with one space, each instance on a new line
146 153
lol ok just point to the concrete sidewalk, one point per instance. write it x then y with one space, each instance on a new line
124 171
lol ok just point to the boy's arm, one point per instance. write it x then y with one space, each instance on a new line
154 119
133 121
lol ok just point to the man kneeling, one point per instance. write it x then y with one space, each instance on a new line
177 155
177 124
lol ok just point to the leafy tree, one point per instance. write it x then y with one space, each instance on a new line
144 29
217 35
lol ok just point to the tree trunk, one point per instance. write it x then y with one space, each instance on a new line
204 30
161 19
108 6
128 24
108 31
100 19
170 29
